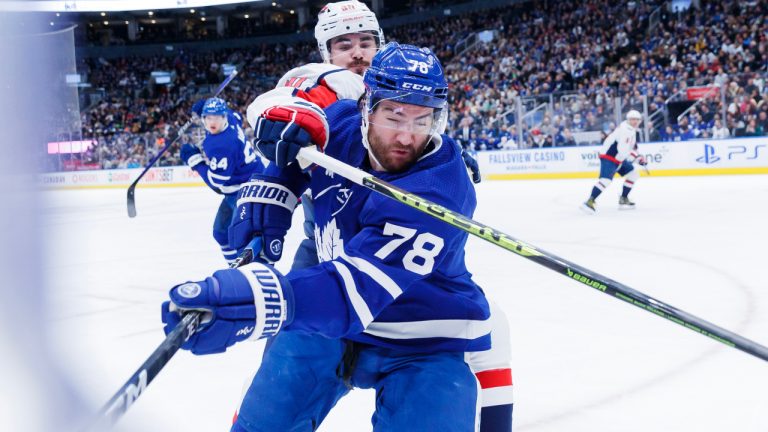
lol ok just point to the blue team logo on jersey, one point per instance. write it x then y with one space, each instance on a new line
709 155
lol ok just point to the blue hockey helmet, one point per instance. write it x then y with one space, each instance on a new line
407 74
214 106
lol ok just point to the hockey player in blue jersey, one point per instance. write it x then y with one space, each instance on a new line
617 155
347 51
228 161
392 293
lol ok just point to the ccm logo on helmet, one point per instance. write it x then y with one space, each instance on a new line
417 87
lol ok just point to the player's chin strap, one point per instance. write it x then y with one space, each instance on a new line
568 269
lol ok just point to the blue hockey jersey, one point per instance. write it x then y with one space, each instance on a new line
231 159
390 275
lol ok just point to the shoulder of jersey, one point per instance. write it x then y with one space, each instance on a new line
346 84
224 138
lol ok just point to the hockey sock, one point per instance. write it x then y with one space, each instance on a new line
496 418
627 188
496 395
600 187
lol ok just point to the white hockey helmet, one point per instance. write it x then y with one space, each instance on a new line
634 114
344 17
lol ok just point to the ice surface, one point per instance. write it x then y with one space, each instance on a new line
583 361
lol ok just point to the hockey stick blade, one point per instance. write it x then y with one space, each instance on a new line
138 382
132 188
132 201
570 270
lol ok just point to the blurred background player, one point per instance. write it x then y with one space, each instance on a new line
348 36
226 161
391 300
617 155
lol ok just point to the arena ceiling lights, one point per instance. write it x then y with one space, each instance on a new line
109 5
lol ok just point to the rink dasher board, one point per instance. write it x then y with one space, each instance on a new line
683 158
679 158
174 176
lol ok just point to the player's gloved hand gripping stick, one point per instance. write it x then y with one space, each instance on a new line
572 271
179 133
138 382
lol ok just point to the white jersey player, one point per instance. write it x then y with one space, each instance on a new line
617 155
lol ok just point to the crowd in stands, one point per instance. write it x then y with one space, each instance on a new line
566 62
577 58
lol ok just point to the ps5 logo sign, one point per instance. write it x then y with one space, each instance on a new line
734 152
742 150
709 155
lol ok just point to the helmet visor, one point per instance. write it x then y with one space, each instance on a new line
405 112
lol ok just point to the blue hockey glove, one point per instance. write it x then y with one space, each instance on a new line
231 313
191 155
197 108
472 165
282 131
264 208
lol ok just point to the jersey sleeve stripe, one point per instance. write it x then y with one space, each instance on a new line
361 308
374 273
223 188
497 396
218 176
447 328
495 378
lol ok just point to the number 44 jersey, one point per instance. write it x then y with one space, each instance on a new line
394 276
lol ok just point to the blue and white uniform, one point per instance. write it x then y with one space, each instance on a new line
392 263
387 303
229 161
391 291
323 85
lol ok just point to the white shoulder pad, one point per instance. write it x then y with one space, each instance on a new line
346 84
305 76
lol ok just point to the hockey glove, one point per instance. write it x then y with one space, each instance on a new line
638 158
191 155
250 302
472 166
265 205
282 131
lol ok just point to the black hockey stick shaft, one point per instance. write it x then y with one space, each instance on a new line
179 133
138 382
572 271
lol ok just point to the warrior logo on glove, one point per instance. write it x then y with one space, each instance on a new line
189 290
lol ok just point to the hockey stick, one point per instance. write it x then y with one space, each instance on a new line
179 133
138 382
546 259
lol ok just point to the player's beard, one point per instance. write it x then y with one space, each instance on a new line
395 157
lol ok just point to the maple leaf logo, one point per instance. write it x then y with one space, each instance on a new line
329 243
